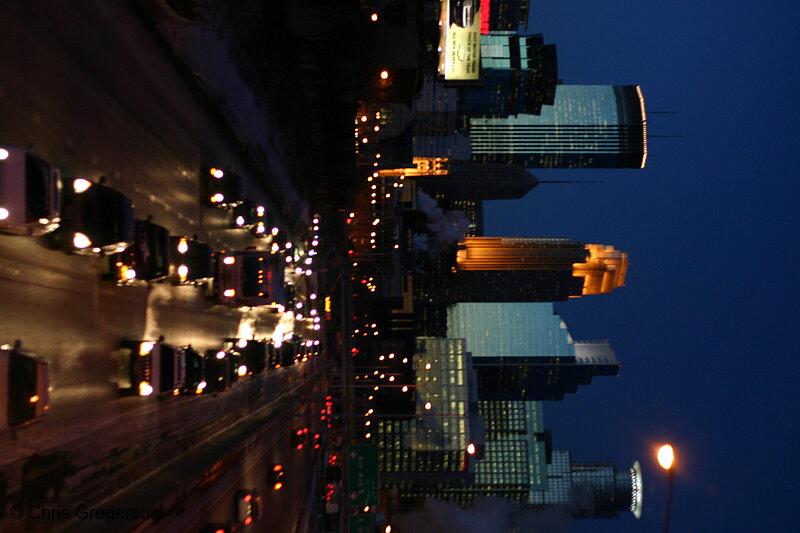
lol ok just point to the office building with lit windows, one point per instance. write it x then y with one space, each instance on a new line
523 351
519 74
590 489
588 126
508 14
431 447
504 269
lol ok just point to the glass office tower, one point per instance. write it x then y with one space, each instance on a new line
519 74
588 126
523 351
590 489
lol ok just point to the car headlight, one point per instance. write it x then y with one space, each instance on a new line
183 272
4 213
229 260
241 371
4 154
81 241
146 347
229 293
81 185
145 389
240 220
129 273
183 246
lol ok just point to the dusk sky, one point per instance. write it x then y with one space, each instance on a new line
705 324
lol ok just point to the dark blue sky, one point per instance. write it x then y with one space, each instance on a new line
705 324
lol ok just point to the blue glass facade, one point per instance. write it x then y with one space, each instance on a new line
510 330
523 351
588 126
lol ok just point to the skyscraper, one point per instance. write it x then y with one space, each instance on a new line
590 489
503 269
588 126
523 351
455 179
518 75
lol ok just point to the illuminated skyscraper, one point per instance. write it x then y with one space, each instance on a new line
518 75
588 126
435 438
590 489
504 269
523 351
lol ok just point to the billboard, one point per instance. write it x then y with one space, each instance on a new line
460 39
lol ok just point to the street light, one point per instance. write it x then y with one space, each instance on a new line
666 458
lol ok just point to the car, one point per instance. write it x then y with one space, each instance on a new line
253 352
263 224
95 219
218 371
249 278
24 386
30 193
191 261
195 371
246 506
299 437
276 475
247 215
316 441
154 367
148 257
223 188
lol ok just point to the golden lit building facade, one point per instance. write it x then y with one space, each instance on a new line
503 269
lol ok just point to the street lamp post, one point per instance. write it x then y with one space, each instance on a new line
666 458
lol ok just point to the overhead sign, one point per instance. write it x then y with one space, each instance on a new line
362 474
460 57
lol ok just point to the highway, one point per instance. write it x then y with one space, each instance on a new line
85 86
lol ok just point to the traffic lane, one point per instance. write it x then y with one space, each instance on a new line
118 110
60 308
281 509
116 453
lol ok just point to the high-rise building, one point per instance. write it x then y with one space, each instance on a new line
458 179
590 489
504 269
518 75
588 126
523 351
435 438
508 14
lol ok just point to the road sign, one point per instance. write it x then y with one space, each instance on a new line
362 470
362 523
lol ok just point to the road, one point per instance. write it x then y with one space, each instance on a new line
89 89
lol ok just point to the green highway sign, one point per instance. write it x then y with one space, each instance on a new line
362 474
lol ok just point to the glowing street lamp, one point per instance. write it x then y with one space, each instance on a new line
666 458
